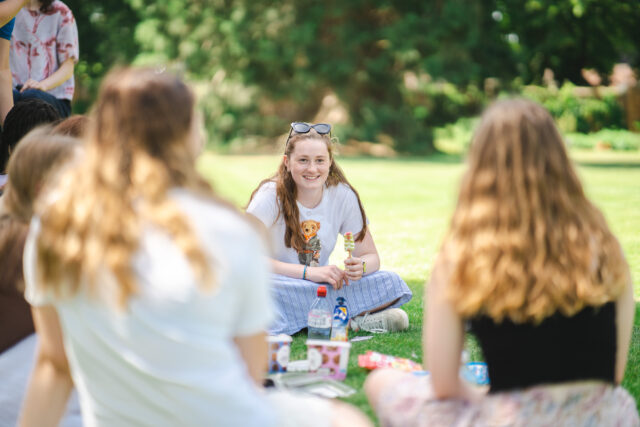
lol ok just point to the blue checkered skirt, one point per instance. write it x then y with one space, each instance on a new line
293 297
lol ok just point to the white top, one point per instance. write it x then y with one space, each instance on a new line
169 358
337 212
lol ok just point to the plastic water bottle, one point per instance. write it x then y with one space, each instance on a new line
320 314
340 321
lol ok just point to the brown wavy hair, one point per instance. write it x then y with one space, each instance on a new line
136 151
524 241
31 165
13 234
287 191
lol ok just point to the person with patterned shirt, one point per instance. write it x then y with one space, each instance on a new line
44 50
8 10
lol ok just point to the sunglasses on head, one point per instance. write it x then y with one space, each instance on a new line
321 128
301 127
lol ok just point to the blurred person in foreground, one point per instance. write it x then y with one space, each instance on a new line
142 272
38 157
531 267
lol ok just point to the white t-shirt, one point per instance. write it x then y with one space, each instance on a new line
169 358
337 212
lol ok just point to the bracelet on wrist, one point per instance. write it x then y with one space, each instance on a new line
304 272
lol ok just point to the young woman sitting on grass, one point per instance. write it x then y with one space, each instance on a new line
305 205
530 265
44 51
142 270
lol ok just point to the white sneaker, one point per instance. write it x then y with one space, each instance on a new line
389 320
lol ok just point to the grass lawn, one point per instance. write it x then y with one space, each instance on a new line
409 203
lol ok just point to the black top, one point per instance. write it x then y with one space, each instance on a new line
581 347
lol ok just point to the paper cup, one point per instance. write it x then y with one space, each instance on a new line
330 357
279 350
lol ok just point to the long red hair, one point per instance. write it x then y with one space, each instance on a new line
287 191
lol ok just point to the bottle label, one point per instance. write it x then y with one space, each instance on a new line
319 320
340 314
339 324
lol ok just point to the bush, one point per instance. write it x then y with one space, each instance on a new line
436 104
578 113
232 115
456 137
605 139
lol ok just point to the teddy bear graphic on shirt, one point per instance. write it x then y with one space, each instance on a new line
311 252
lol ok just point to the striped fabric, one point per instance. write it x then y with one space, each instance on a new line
293 298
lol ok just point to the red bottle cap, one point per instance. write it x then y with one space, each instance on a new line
322 291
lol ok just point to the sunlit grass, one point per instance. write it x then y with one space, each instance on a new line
409 203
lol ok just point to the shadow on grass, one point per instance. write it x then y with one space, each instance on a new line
441 158
610 164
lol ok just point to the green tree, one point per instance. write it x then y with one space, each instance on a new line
106 37
569 35
361 49
261 64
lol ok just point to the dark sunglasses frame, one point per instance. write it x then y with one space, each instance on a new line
301 127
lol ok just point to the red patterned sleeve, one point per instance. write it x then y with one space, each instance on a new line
67 38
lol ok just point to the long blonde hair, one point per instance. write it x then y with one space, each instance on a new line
31 165
524 241
136 151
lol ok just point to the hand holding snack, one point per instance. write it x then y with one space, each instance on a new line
353 268
349 243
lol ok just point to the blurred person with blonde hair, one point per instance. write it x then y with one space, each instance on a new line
35 161
38 156
530 265
142 272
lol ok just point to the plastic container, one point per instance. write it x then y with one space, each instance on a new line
279 351
340 322
476 373
320 315
329 358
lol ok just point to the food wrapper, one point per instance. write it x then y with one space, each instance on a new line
349 244
374 360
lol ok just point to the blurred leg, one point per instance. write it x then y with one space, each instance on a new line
344 415
380 381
